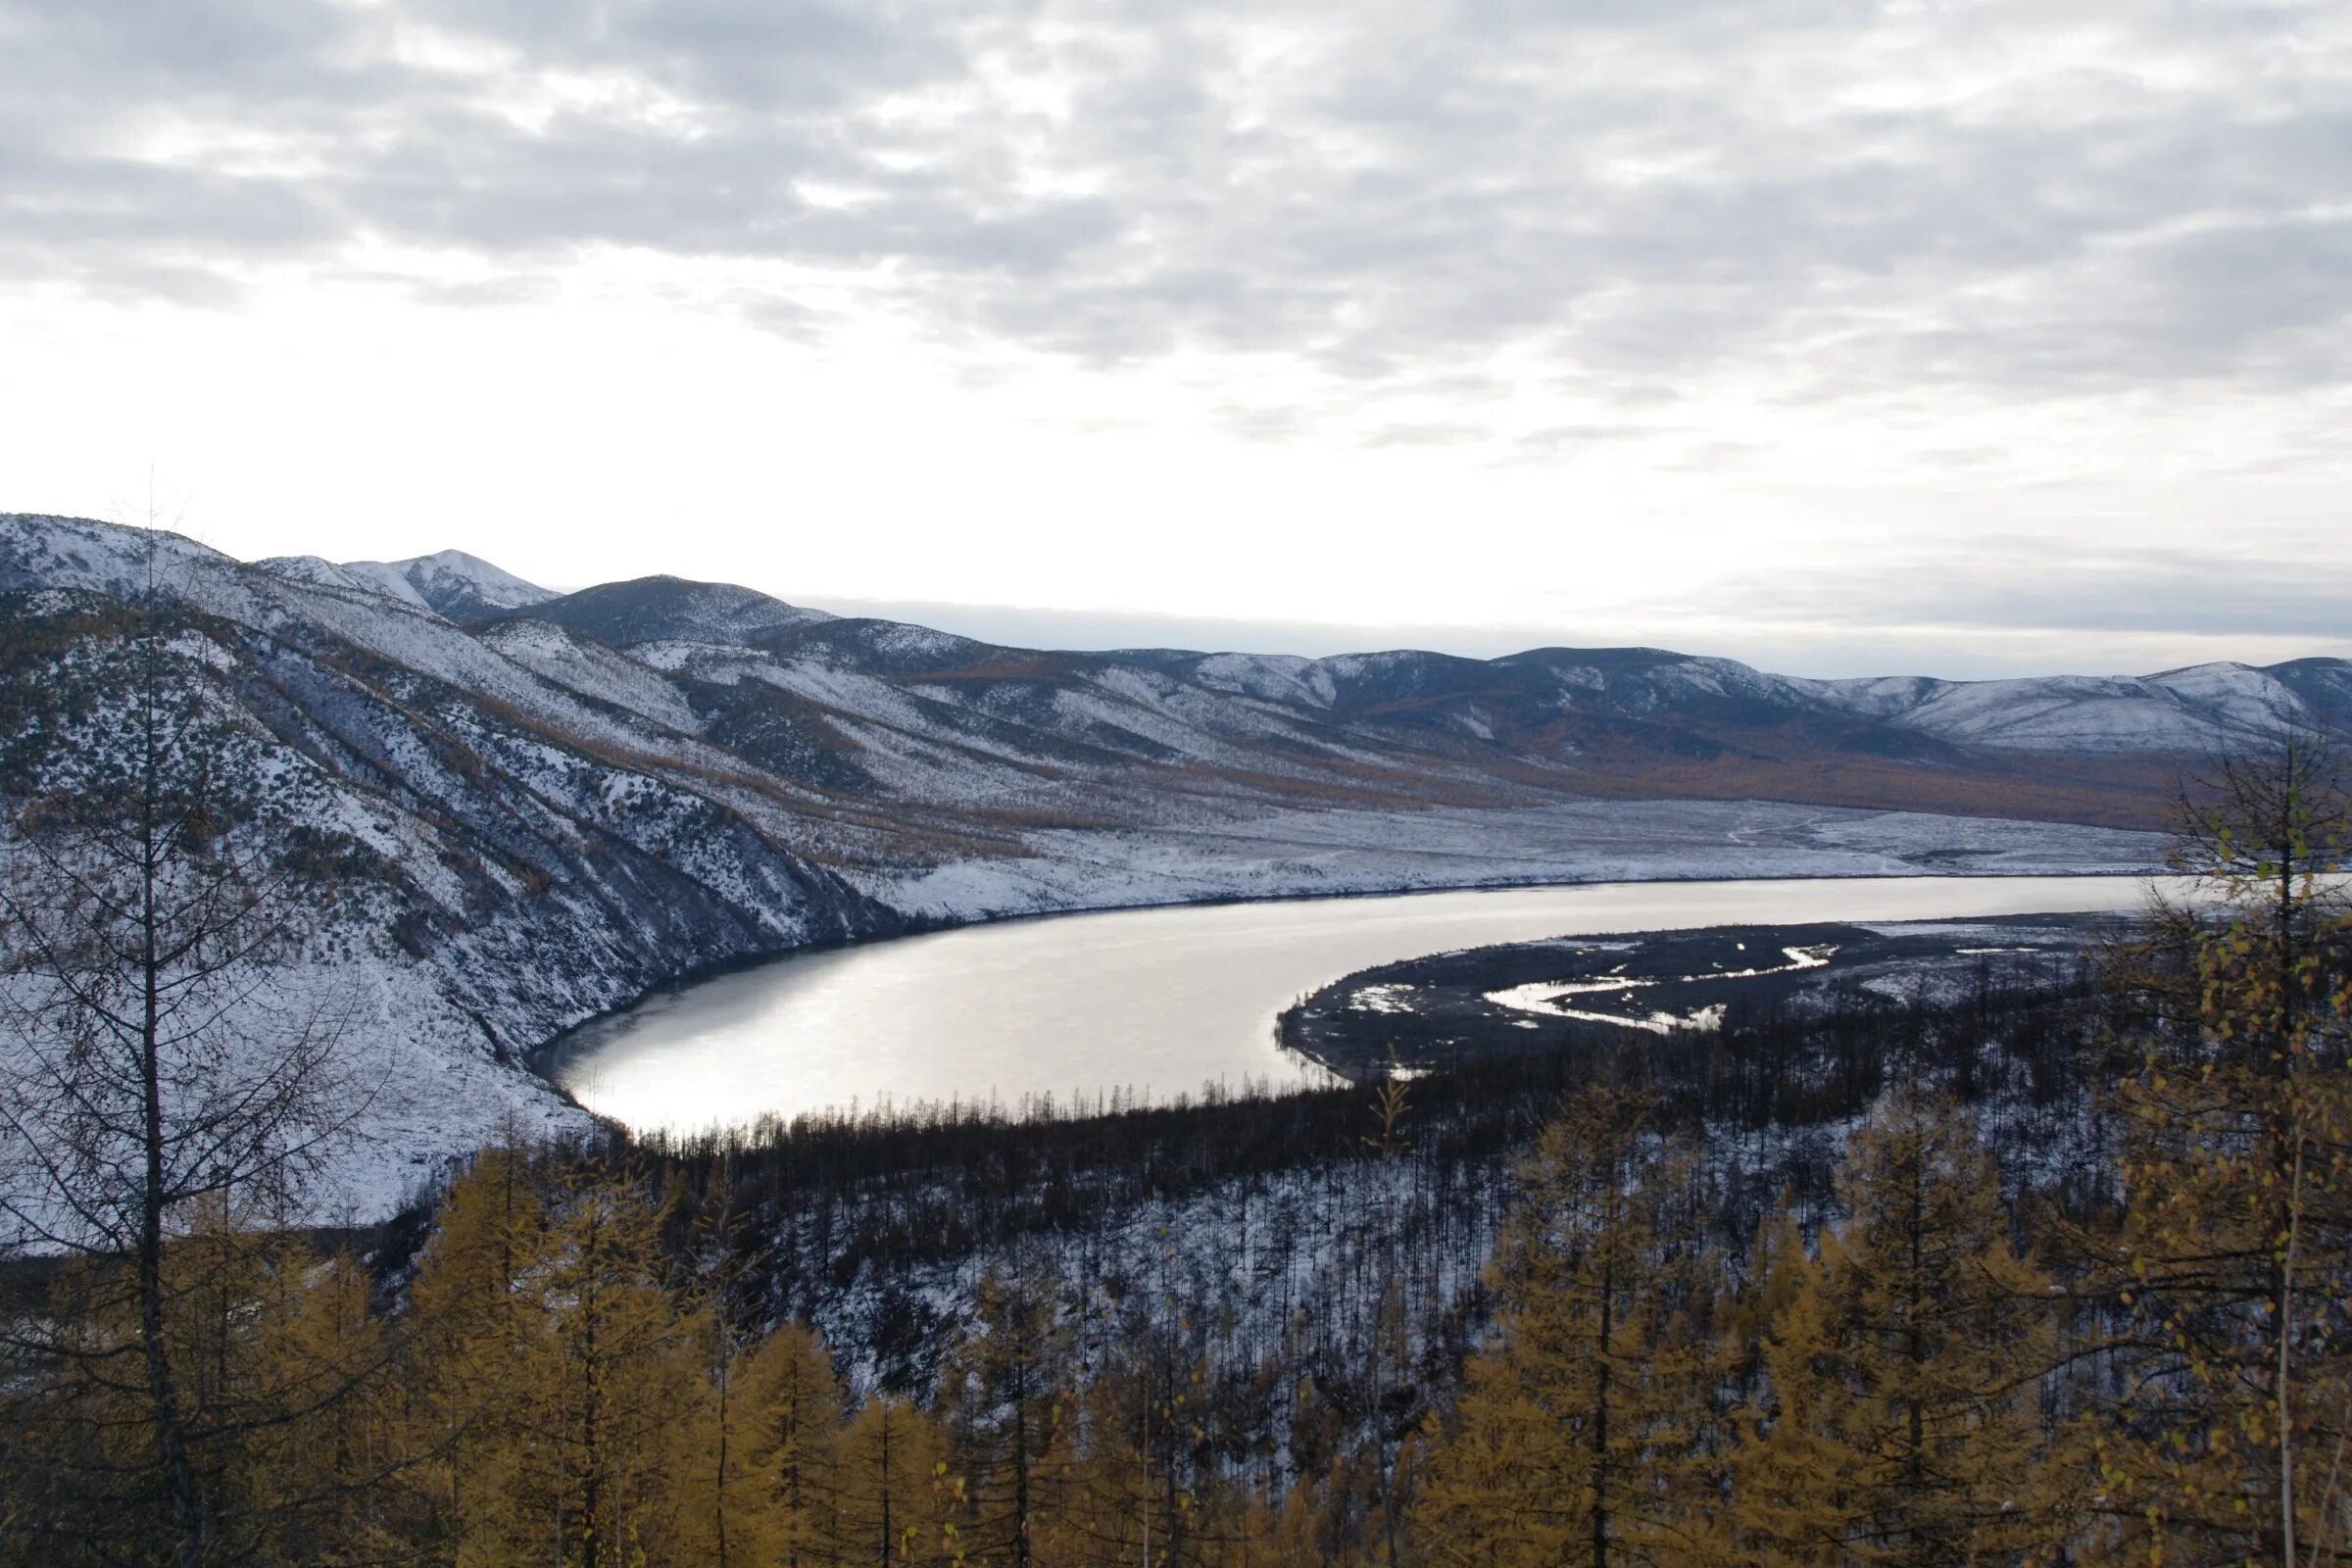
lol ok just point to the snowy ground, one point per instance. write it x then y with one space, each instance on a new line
552 824
439 1099
1300 854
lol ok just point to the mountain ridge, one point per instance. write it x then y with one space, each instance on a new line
1861 695
541 823
887 710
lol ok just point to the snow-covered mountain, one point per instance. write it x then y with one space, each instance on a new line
451 583
544 804
670 609
463 587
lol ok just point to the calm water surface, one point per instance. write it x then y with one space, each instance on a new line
1156 1001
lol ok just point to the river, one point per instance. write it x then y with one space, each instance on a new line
1154 1001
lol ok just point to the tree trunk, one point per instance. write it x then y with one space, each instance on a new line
1600 1421
182 1511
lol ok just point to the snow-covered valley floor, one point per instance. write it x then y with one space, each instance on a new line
1296 854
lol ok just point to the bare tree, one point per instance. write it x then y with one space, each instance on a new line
161 1066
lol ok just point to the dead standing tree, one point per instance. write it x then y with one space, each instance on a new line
159 1071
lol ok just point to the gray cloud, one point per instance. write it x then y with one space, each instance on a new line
1964 636
1830 198
2017 583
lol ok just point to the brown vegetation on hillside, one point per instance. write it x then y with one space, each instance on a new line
577 1370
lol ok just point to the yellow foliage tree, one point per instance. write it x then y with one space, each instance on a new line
1587 1433
793 1406
1904 1422
1795 1498
329 1460
1007 1401
283 1391
586 1474
897 1501
474 1326
2230 1269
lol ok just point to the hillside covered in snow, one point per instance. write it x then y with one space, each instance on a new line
543 804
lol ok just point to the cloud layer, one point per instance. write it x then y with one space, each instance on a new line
1776 326
1833 198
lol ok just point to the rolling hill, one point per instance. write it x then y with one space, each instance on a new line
546 804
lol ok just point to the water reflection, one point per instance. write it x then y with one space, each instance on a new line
1155 1001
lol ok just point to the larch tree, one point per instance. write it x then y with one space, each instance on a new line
471 1336
726 1520
1794 1500
2230 1269
1906 1373
332 1472
897 1501
1142 1489
793 1410
160 1056
1585 1433
587 1474
1006 1397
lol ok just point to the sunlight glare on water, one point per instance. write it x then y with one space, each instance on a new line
1157 1002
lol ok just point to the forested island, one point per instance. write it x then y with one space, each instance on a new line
1447 1010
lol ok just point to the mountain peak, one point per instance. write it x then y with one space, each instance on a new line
665 609
39 550
1597 657
451 583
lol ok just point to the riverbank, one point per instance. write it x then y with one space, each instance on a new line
1143 1002
1328 854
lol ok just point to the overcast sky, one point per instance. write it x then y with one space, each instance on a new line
1839 336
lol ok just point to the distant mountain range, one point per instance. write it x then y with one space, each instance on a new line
562 800
1618 716
765 679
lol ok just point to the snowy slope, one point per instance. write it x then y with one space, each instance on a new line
464 587
2184 711
509 866
451 584
555 802
593 670
356 577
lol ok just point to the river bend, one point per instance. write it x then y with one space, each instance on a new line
1155 1001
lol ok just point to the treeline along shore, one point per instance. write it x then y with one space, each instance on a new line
2056 1269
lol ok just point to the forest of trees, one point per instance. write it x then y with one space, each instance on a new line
2050 1277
